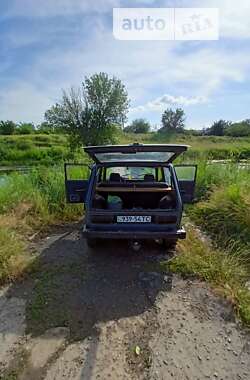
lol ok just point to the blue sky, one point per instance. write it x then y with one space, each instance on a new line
50 45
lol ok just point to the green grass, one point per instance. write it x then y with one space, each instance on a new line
216 175
14 257
51 149
202 147
223 209
223 212
225 271
33 149
36 200
225 216
42 190
29 203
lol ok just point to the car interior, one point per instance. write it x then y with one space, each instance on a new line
133 188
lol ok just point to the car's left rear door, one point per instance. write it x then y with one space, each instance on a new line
76 182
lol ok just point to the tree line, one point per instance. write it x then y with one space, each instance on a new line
227 128
9 127
93 114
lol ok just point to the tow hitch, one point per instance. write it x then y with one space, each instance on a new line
135 245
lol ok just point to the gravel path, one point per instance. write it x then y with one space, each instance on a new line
107 314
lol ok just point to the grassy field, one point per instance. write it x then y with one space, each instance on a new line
222 211
31 202
33 149
50 149
205 147
226 271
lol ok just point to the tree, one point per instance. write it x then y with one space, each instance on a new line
240 129
25 128
218 128
173 121
7 127
47 128
90 113
138 126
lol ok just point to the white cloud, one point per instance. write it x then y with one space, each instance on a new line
52 8
24 102
141 66
146 68
211 68
237 28
159 104
234 15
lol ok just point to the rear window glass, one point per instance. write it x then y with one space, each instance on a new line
131 173
135 156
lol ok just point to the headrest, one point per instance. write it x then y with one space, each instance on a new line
149 178
115 177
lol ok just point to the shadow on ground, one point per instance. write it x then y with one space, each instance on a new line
77 287
74 287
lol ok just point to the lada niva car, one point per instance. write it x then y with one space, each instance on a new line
133 192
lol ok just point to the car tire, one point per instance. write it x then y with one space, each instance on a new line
170 245
91 242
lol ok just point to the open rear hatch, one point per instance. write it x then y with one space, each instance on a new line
144 191
154 153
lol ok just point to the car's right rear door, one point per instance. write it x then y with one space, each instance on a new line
186 175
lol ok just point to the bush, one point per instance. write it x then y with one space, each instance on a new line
239 129
138 126
24 144
218 128
25 129
7 127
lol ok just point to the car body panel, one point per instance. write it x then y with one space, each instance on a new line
186 180
103 223
76 189
134 234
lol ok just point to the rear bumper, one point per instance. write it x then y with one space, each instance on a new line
135 235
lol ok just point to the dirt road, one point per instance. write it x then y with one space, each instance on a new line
109 315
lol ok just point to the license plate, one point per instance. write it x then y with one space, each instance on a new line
133 219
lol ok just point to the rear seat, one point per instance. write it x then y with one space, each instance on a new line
132 184
115 177
149 178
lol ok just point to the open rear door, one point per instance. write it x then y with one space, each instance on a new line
154 153
186 175
76 182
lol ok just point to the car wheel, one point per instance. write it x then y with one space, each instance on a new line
92 243
169 244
